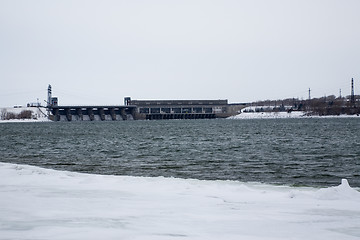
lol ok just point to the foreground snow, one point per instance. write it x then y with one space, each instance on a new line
38 203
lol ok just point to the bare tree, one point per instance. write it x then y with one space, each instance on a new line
3 114
25 114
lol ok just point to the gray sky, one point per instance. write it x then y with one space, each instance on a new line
98 52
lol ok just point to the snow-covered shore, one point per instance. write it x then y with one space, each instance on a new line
38 203
282 115
254 113
260 115
38 114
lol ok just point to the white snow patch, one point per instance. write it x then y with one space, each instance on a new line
38 203
343 191
37 113
261 115
254 112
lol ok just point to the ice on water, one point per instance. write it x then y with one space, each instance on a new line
38 203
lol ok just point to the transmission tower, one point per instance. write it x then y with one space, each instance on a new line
49 96
352 99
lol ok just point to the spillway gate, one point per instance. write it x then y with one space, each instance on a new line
92 113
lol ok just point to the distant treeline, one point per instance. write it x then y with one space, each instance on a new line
329 105
25 114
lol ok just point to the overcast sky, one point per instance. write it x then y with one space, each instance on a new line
98 52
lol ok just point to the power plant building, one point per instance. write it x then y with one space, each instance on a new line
180 109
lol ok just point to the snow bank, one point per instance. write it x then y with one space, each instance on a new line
260 115
255 112
278 115
37 113
38 203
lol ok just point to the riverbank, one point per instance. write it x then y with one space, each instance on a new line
263 112
281 115
32 114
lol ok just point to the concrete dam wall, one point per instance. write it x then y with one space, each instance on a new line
92 113
147 110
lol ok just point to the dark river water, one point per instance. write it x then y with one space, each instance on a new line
298 152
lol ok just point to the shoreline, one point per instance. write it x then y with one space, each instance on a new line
285 115
249 116
38 115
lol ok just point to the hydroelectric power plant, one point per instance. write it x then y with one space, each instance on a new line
142 110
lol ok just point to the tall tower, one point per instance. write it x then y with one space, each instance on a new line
49 97
309 94
352 100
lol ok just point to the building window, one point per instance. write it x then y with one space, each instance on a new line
186 110
208 110
198 110
176 110
155 110
165 110
144 110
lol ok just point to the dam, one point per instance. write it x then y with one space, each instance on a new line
91 113
146 110
143 110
